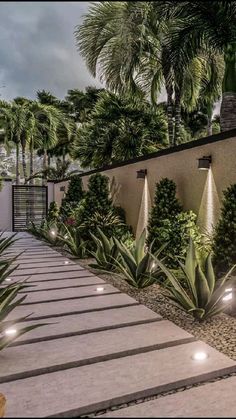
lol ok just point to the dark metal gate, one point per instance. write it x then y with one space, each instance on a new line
29 203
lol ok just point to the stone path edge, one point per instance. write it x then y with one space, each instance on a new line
85 332
144 393
94 360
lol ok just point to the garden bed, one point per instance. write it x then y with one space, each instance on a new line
219 332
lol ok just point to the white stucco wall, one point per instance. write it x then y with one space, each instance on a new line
6 206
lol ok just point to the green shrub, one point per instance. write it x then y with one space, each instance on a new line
53 212
168 223
73 197
137 265
224 239
201 296
96 210
73 242
8 302
106 252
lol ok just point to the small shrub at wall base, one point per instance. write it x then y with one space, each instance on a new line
202 295
224 240
168 223
53 212
96 210
72 198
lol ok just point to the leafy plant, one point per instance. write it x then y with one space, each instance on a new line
202 295
8 302
6 242
53 212
136 264
224 240
169 223
73 196
106 253
73 241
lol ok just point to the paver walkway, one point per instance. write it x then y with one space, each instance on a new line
101 349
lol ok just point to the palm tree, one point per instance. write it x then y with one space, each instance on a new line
120 128
208 25
128 44
13 120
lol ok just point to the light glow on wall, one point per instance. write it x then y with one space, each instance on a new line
144 209
210 204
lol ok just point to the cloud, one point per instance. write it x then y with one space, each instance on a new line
38 50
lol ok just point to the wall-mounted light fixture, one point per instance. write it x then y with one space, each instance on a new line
141 174
204 163
62 189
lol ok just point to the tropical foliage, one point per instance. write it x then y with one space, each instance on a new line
106 253
135 52
137 265
120 128
8 298
202 296
224 240
168 223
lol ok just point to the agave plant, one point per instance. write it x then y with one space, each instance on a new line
73 242
202 295
34 229
8 302
6 242
106 254
137 264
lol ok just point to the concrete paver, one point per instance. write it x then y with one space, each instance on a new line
85 389
213 400
99 350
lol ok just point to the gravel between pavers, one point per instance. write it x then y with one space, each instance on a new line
218 332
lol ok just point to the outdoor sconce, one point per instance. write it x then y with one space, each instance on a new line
62 189
204 163
141 174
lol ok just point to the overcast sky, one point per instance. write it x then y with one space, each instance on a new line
37 49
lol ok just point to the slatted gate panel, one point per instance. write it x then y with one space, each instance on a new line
29 203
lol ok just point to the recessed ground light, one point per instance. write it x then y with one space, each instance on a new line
228 297
100 289
200 356
53 233
8 279
66 237
10 332
228 289
66 262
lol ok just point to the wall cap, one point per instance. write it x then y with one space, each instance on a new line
163 152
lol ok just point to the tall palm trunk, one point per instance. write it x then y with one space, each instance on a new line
228 104
209 119
45 166
170 116
31 182
177 117
63 154
24 162
17 163
178 97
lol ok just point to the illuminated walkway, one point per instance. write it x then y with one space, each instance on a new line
102 349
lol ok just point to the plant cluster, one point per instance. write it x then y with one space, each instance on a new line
8 297
224 240
168 223
202 295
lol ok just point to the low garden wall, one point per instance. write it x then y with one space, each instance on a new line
198 190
